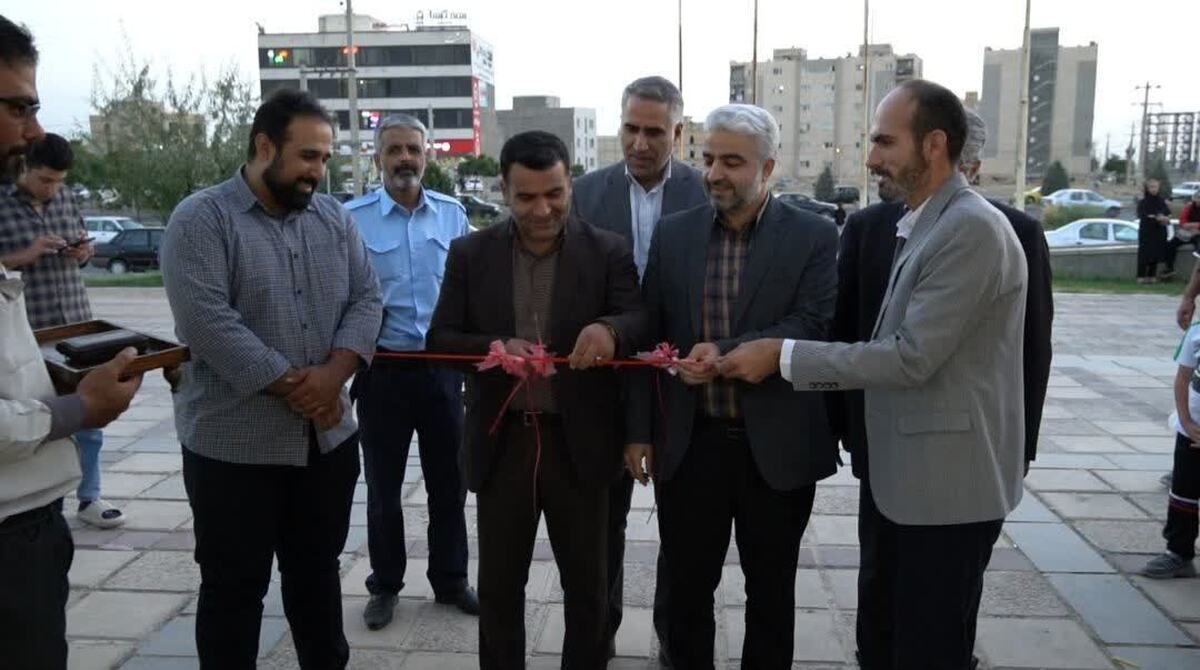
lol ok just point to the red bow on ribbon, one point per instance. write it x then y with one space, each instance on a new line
663 357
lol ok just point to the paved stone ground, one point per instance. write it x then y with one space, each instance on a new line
1061 591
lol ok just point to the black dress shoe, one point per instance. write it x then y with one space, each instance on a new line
378 612
466 600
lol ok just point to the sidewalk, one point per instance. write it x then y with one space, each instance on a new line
1061 591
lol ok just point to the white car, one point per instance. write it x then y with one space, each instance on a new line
1082 198
1185 190
104 228
1093 232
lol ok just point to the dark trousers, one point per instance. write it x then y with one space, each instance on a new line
1173 246
918 590
35 554
620 497
244 515
510 504
718 486
394 399
1181 528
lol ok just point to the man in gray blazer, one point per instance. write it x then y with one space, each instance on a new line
727 455
943 387
629 198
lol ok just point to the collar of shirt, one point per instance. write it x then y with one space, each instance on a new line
757 217
387 204
244 198
520 248
904 226
635 184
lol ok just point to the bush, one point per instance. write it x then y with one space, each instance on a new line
438 179
1055 179
1056 217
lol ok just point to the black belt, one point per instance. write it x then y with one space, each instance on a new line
30 517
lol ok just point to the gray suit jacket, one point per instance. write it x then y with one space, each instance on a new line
602 197
942 372
788 288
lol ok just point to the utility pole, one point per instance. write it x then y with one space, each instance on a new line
1129 155
1144 150
754 60
865 141
352 95
1022 120
432 143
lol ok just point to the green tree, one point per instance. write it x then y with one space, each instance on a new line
1055 178
1116 165
578 170
479 166
1158 170
437 178
823 190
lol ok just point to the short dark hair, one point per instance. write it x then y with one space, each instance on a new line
655 89
16 44
50 151
276 113
536 150
937 109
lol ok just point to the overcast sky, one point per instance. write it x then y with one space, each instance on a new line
586 51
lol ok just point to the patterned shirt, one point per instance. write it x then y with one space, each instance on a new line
728 250
254 295
533 288
54 290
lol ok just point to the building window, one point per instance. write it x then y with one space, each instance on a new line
370 56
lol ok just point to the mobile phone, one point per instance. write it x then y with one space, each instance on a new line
77 243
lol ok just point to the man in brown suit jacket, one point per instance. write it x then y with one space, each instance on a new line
545 277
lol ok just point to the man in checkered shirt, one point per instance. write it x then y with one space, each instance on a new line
39 221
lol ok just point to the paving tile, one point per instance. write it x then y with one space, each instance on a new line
150 462
1157 462
838 500
392 637
164 445
1031 509
1129 481
1151 445
1093 506
127 484
127 428
1055 548
1123 536
159 571
1088 444
1055 411
809 591
1071 461
1071 393
1019 594
170 488
814 636
161 663
1069 427
178 637
1134 428
1116 611
1178 597
90 567
1038 643
86 655
1153 504
844 584
636 636
421 660
156 515
1156 658
1064 480
835 530
121 615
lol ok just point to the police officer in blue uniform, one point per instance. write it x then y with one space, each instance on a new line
407 230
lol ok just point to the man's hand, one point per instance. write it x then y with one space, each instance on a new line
594 346
700 366
1193 431
288 382
174 376
518 347
1187 309
323 383
635 454
751 361
329 416
80 254
43 246
105 396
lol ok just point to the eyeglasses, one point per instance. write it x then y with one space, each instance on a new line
25 109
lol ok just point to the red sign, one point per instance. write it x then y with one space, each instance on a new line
475 114
455 147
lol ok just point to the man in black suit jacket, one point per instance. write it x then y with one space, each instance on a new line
541 277
629 198
867 246
725 453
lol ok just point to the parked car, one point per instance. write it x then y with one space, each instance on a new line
135 249
808 204
473 184
105 228
845 194
1093 232
81 192
478 207
1185 190
1078 197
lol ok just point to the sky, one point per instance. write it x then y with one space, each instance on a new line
585 51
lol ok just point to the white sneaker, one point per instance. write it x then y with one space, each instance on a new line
100 514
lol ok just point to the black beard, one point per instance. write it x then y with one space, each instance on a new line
287 195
